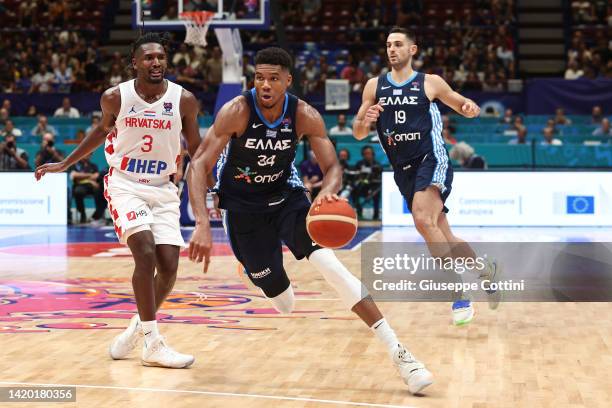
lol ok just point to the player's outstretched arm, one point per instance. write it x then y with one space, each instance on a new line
110 102
312 126
436 87
231 120
368 112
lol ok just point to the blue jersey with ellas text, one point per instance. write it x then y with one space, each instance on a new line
410 126
256 171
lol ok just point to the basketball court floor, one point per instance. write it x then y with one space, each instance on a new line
65 293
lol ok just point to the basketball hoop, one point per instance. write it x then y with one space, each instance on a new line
196 24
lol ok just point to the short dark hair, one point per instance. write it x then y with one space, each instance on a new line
367 147
410 34
162 39
274 56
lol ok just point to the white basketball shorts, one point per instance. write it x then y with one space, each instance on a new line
139 207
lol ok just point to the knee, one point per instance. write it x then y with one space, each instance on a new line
424 222
145 257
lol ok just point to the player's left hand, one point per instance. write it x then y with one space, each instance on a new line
470 109
329 197
200 244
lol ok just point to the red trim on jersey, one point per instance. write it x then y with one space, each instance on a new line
124 162
112 210
110 149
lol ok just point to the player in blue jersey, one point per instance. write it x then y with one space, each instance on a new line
264 201
409 126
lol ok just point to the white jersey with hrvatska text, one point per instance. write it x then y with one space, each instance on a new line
146 142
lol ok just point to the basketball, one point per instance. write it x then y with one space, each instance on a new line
332 225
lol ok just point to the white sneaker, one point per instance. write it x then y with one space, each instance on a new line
125 342
493 275
412 371
463 312
159 354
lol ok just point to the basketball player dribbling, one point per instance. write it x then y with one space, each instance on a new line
409 127
148 115
264 201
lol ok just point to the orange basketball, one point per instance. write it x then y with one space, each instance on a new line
332 225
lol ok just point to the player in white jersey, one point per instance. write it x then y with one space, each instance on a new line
142 124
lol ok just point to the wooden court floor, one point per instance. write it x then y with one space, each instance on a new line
56 328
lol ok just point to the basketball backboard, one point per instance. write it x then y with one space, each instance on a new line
242 14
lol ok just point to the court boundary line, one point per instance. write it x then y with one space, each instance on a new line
366 239
215 393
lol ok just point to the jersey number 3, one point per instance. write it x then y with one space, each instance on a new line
148 144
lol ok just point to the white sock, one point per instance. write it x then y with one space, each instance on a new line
285 302
134 322
149 329
385 333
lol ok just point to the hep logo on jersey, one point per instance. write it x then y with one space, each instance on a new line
132 215
143 166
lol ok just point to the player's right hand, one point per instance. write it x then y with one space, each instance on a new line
200 244
49 168
373 113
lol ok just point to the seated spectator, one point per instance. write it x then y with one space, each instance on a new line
561 119
596 115
368 182
67 110
309 76
10 129
516 125
6 104
603 129
354 75
550 123
465 155
312 176
115 77
63 78
343 158
87 180
341 129
448 137
347 173
42 81
12 158
4 116
48 153
573 71
549 137
521 137
32 111
507 118
42 127
95 121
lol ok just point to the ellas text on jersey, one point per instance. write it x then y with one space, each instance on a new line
398 100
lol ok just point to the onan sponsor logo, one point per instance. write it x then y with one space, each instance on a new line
148 123
268 178
267 144
398 100
407 137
